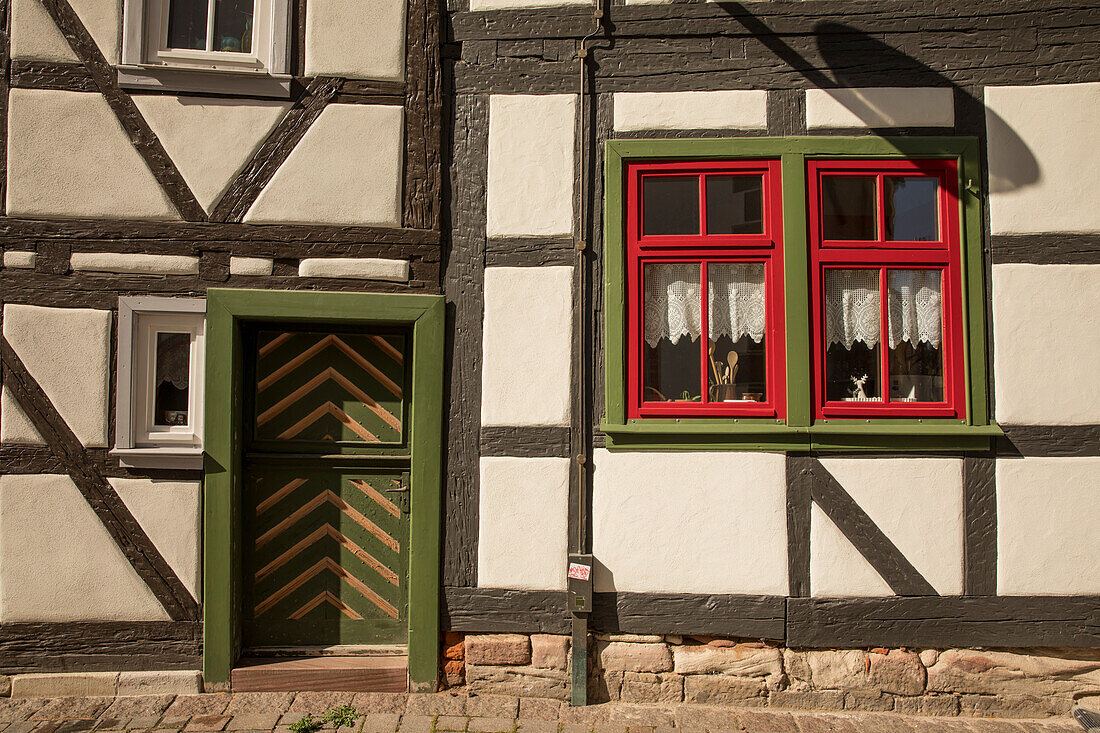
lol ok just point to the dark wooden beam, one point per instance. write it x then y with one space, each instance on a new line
109 508
1049 440
525 441
529 251
90 646
799 505
864 534
979 525
742 616
1047 249
137 129
498 610
67 77
1009 621
423 115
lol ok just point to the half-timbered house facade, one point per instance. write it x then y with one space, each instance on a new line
719 352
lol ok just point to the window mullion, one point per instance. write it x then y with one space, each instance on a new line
796 293
210 25
704 338
884 339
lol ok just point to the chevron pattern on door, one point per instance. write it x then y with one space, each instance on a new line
328 555
343 387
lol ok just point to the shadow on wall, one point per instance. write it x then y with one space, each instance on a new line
856 59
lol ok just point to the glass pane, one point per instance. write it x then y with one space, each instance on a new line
735 205
233 25
915 314
672 325
670 204
735 324
848 207
853 328
911 209
187 24
173 372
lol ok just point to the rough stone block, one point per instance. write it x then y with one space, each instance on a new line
498 649
451 723
492 706
491 725
928 657
705 717
759 720
72 708
632 638
536 709
868 701
1006 673
536 726
253 721
188 705
416 724
549 651
381 723
64 684
740 660
437 704
1013 706
168 682
5 685
649 687
641 715
807 700
720 689
515 680
127 708
927 705
898 672
604 686
379 702
622 656
837 670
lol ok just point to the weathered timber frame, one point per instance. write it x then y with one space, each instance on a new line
226 311
799 431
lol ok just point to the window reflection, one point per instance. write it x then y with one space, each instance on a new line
735 204
233 25
670 205
911 214
170 390
848 207
187 24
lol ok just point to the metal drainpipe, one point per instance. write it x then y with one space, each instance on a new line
578 541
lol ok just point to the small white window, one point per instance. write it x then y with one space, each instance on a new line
160 382
165 39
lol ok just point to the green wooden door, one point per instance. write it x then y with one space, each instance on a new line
326 495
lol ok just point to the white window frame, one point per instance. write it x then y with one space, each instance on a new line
147 62
139 443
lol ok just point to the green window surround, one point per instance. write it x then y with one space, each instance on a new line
798 430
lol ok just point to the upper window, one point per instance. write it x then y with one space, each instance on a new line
885 261
229 35
160 382
804 291
705 284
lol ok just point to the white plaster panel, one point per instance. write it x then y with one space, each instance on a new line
690 522
345 170
880 107
530 186
837 570
918 505
59 563
527 339
357 39
1047 519
1044 151
721 110
251 265
209 139
1046 344
133 263
168 511
20 260
68 156
522 515
67 351
360 268
35 35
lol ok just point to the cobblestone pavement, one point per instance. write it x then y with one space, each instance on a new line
399 713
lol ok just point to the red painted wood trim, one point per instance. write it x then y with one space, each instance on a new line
944 254
704 249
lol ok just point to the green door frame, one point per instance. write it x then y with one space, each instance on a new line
226 310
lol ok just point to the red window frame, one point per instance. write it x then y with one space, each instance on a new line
944 254
705 249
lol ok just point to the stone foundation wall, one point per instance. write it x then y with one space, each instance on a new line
670 669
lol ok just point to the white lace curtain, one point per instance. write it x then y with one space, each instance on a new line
853 307
673 301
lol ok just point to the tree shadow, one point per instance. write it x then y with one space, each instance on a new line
849 58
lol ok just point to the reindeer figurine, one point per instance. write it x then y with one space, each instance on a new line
858 383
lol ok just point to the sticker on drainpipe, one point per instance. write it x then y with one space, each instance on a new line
578 571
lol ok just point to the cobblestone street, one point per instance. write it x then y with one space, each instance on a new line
400 713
